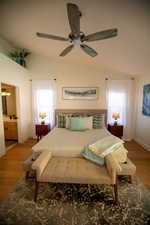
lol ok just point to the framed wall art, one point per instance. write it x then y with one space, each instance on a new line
146 100
80 93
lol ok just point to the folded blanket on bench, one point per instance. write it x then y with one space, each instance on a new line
106 145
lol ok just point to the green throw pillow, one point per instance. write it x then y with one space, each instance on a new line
77 124
88 154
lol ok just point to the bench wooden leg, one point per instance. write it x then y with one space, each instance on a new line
115 187
131 179
27 175
36 190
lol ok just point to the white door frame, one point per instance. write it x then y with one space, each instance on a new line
2 142
2 137
18 113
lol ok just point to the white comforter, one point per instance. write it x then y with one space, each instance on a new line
65 143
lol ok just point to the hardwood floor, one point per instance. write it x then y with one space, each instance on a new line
141 158
11 164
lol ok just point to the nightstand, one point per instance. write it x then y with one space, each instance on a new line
116 130
42 130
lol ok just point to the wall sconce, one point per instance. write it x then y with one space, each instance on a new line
4 92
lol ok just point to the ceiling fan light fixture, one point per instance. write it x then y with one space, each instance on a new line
76 41
77 37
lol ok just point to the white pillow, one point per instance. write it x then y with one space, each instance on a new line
120 155
89 122
68 122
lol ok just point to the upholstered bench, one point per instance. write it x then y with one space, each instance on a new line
74 170
128 169
27 166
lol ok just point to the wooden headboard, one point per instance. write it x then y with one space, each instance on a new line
82 111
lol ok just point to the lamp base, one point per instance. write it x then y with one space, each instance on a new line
115 123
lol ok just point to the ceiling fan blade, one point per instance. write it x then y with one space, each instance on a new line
101 35
74 19
66 50
90 51
50 36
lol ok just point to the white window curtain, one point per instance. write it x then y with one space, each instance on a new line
120 99
43 100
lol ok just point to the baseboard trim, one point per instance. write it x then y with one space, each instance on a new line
11 146
140 142
127 139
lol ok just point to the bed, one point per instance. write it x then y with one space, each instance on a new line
63 142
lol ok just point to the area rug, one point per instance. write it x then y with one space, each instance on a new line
75 204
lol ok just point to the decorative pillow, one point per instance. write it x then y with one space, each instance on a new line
88 122
67 122
61 120
68 117
77 124
98 121
88 154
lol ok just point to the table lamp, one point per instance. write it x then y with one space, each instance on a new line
42 115
116 116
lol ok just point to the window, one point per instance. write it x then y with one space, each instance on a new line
44 103
117 103
120 99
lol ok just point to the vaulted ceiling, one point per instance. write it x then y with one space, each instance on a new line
128 52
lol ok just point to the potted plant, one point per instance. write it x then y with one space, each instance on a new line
19 56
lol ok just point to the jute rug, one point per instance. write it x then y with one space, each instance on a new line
74 204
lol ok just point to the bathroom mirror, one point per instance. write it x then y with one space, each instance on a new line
4 105
8 94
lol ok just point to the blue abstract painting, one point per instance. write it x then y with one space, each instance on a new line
146 100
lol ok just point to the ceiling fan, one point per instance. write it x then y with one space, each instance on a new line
77 37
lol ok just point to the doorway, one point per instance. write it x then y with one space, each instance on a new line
8 95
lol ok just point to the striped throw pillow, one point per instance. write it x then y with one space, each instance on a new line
98 121
61 121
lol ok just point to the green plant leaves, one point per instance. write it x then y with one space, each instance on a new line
22 54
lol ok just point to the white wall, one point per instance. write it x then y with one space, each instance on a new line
73 75
14 74
142 130
5 46
77 75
